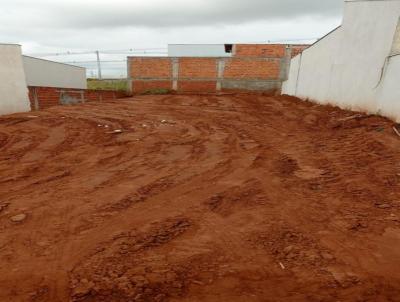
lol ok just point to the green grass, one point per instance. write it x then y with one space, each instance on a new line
117 85
157 91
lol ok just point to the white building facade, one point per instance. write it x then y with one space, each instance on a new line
356 66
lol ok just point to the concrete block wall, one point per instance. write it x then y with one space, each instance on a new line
256 67
46 97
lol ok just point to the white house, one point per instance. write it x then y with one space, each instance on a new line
357 65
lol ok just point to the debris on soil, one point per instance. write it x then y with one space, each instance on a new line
18 218
396 130
327 256
356 116
247 197
383 206
3 206
117 131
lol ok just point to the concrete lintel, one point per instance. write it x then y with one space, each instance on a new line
206 79
251 85
215 58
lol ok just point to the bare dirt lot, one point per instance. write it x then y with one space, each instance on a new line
199 198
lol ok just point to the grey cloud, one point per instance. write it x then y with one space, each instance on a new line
52 25
222 12
165 14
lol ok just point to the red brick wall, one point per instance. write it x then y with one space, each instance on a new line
196 86
238 68
47 96
260 50
150 67
297 49
50 96
199 74
93 95
255 63
145 86
266 50
197 68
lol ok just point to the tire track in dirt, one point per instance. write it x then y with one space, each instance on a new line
199 198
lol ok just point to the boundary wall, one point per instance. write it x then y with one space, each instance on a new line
252 67
357 65
46 97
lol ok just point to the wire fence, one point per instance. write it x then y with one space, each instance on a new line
112 63
101 64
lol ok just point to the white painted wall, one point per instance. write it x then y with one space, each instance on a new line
351 67
388 95
13 90
52 74
290 85
197 50
320 66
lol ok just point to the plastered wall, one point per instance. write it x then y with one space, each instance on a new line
356 66
46 73
13 88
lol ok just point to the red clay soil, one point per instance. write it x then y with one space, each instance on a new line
199 198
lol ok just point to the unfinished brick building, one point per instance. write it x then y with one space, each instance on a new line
257 67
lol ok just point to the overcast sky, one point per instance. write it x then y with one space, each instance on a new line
46 26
